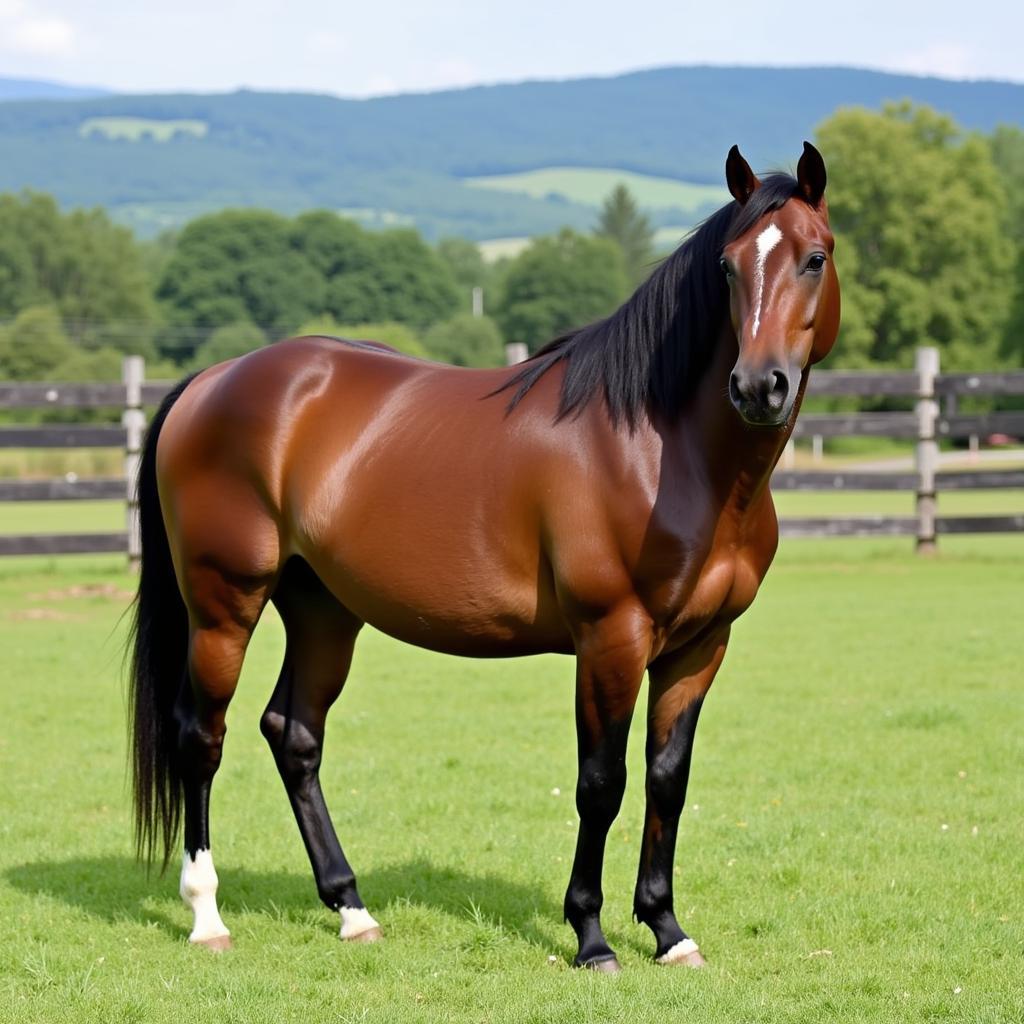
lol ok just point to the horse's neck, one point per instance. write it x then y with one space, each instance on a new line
735 457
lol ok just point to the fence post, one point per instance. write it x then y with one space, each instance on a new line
516 352
926 362
133 373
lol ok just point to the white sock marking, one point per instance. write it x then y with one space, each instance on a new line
679 951
766 241
199 891
355 921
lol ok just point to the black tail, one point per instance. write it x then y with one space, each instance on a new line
159 644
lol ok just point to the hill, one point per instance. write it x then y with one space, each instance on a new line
38 89
155 161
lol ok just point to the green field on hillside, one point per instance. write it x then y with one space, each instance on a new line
135 129
666 239
850 851
591 185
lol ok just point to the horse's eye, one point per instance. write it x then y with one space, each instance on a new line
816 263
726 269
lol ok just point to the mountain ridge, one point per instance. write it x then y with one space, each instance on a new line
154 160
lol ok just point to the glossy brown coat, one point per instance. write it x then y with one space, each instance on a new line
351 484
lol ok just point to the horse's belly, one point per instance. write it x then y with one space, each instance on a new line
445 604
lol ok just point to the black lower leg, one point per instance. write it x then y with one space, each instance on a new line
200 743
668 769
602 781
297 747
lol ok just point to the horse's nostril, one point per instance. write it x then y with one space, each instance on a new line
778 389
734 388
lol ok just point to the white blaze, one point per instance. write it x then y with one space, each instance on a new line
199 891
766 241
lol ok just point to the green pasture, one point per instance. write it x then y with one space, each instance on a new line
852 847
136 129
104 516
591 185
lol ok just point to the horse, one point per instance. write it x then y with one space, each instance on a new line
608 499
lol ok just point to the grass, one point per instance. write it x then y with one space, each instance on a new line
591 185
851 848
45 463
103 516
61 516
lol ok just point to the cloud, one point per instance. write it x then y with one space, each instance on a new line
323 43
38 35
453 73
377 85
950 60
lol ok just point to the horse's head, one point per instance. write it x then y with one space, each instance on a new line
784 293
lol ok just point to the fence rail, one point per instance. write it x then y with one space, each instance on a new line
925 425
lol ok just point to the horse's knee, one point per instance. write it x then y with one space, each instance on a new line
200 744
296 748
666 785
599 790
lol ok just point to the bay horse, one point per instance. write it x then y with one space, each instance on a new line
608 499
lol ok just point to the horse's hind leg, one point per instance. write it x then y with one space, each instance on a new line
321 635
223 611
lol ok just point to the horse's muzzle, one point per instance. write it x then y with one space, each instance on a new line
763 397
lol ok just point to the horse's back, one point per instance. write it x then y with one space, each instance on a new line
402 483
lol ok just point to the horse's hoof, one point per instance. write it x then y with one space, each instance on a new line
216 943
683 954
609 965
370 935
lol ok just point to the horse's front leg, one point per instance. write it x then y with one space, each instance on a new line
611 655
678 684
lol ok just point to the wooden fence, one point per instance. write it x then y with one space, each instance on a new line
926 425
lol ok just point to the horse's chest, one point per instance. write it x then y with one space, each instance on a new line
717 593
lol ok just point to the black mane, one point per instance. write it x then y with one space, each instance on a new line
651 353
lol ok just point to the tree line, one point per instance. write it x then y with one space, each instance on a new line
929 223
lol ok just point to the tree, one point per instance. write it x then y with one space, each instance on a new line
918 212
90 271
375 276
558 283
404 280
92 364
1008 155
398 336
467 265
228 342
33 345
623 223
241 265
466 340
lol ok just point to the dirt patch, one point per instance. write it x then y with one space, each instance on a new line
45 615
78 591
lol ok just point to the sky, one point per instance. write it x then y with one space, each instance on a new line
376 47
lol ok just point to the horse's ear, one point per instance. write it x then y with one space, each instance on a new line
739 177
810 174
